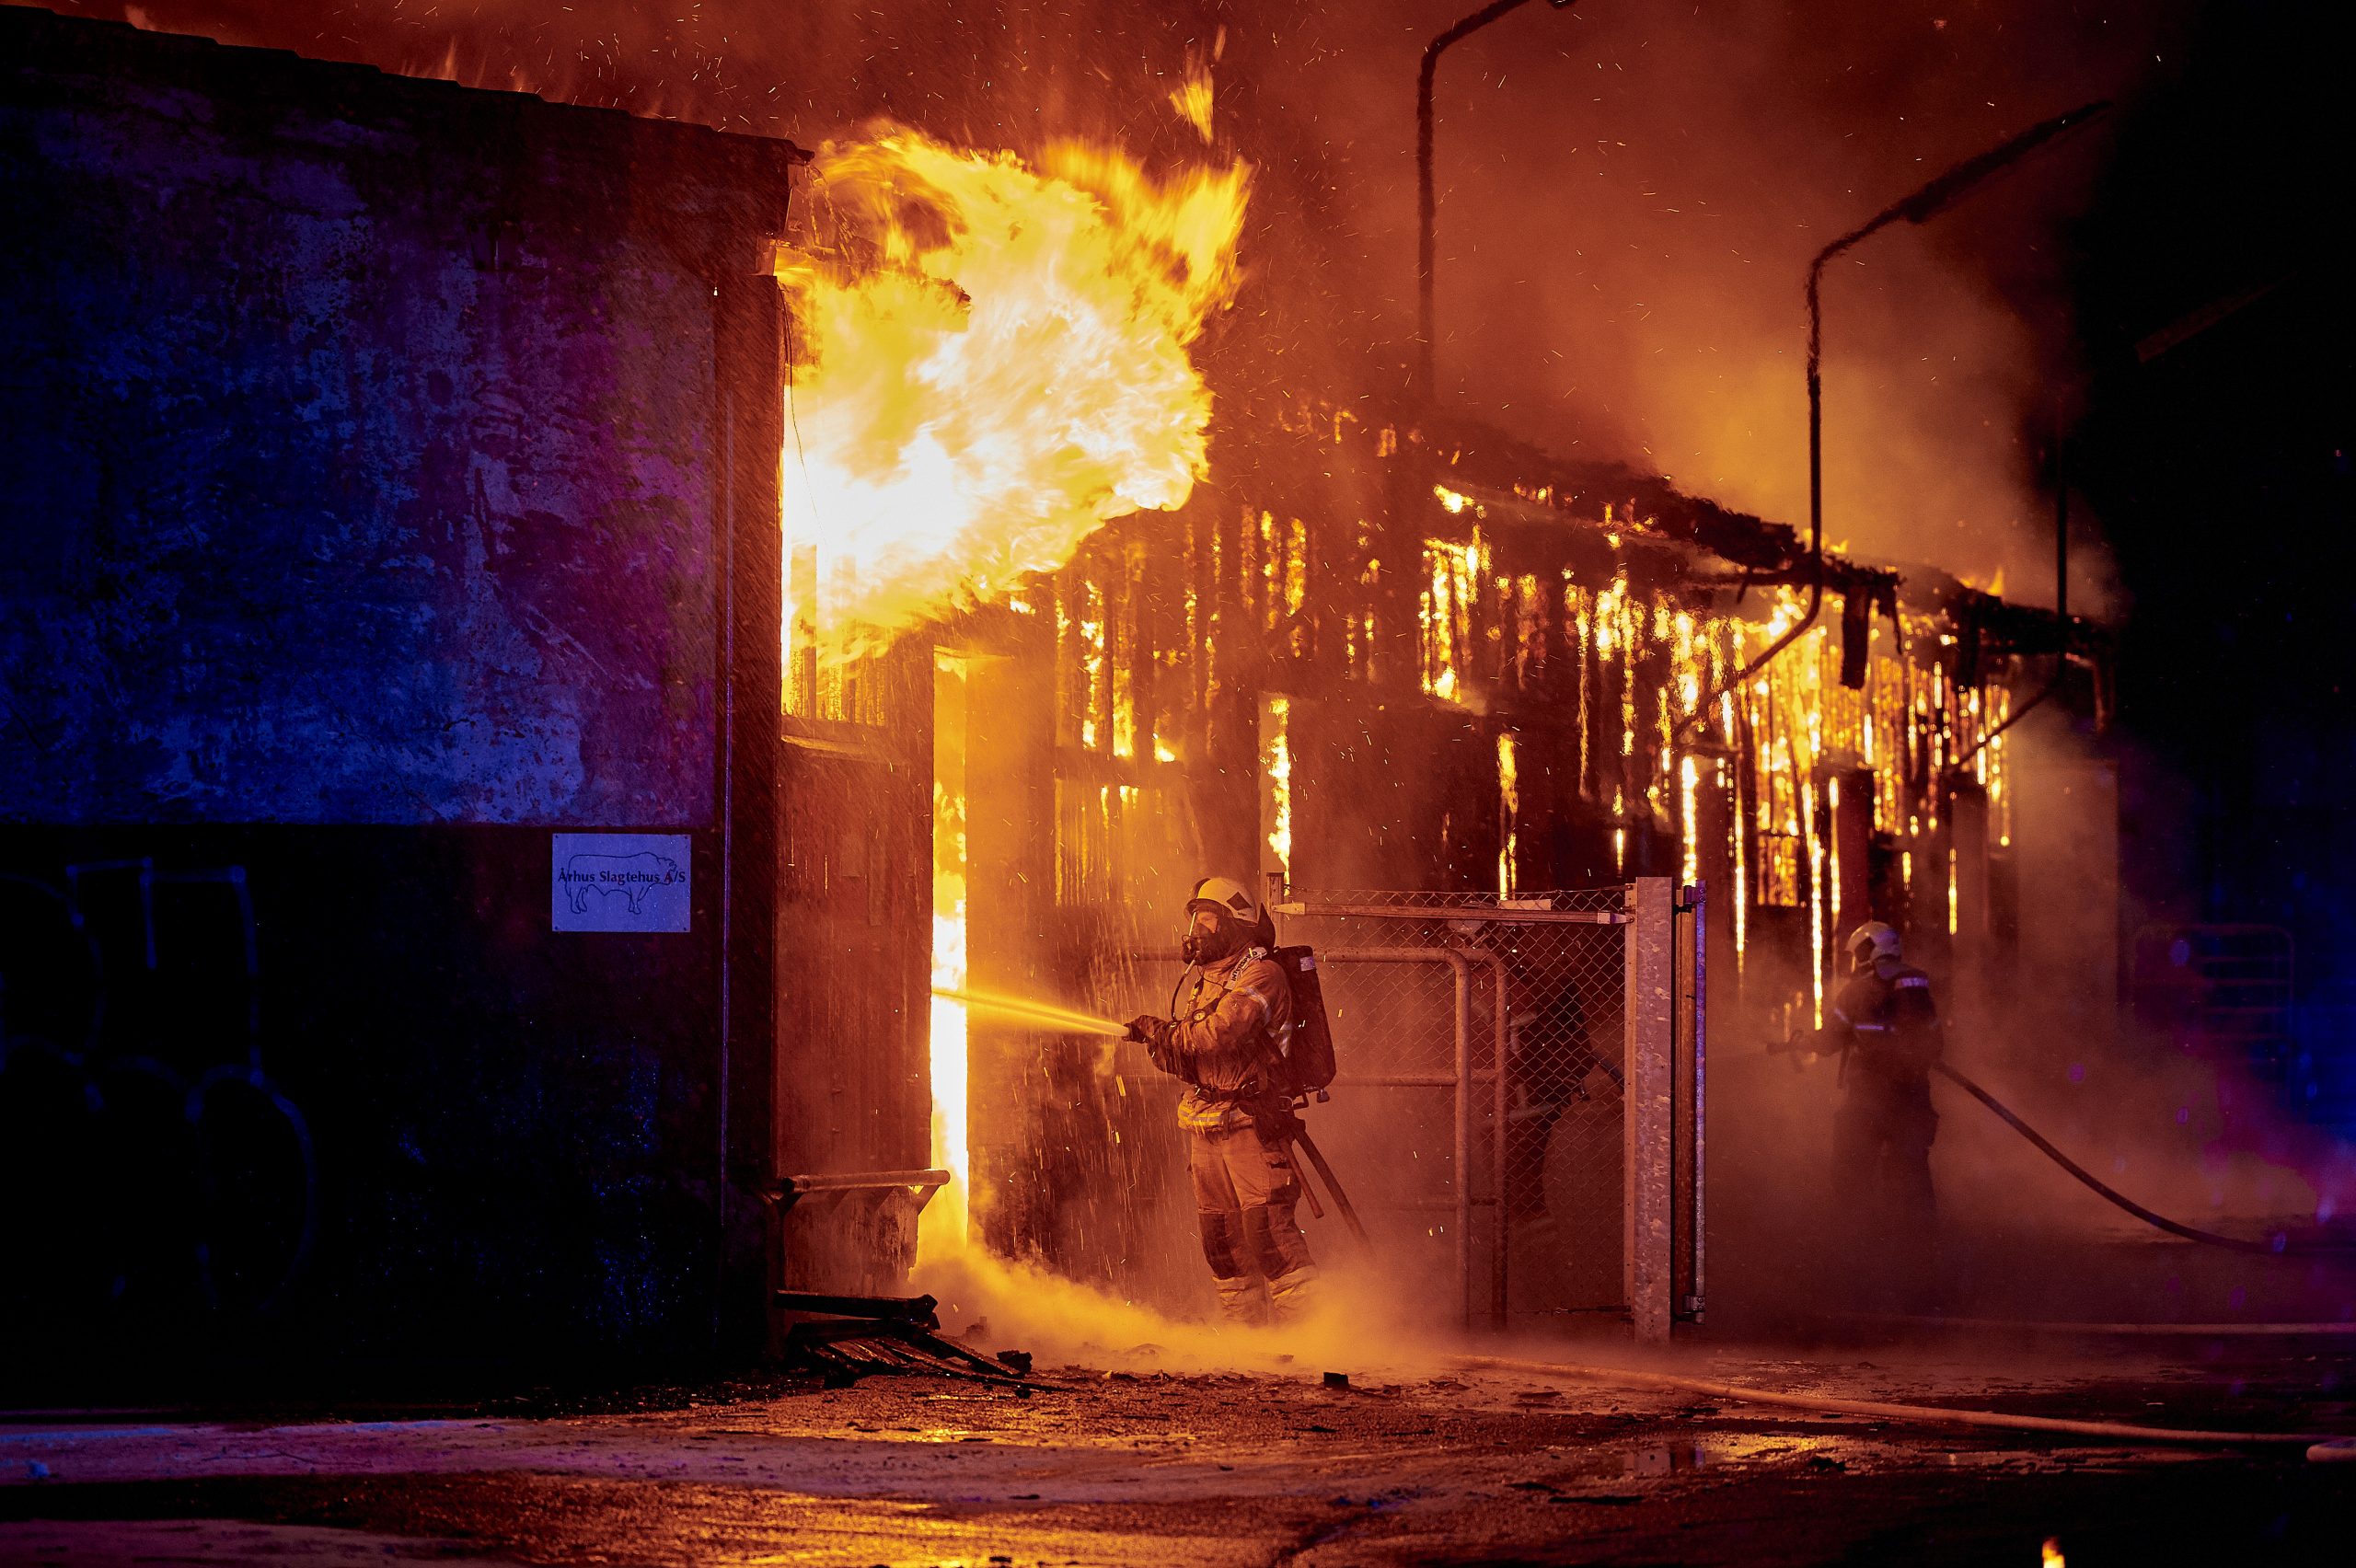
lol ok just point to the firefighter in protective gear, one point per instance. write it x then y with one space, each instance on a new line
1225 1037
1886 1026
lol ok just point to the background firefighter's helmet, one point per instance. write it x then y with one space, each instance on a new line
1238 920
1871 942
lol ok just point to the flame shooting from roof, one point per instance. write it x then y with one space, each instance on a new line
992 364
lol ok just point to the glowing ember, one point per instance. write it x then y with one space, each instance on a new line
991 364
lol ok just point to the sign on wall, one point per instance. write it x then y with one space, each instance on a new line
618 881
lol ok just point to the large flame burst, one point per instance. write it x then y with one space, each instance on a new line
992 363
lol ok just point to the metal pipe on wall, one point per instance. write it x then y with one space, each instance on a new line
1920 207
1426 203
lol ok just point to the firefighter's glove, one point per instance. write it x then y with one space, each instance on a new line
1155 1032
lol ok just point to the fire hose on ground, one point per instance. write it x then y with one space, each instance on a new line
2278 1245
2318 1446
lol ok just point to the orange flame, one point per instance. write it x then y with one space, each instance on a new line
992 364
1194 100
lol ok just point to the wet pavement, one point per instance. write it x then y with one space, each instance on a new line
1138 1466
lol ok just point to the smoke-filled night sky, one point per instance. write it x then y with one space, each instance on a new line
1629 195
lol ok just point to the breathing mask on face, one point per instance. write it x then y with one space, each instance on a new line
1211 935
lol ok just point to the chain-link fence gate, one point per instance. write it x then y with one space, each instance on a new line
1518 1108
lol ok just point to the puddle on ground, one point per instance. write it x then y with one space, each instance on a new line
1663 1458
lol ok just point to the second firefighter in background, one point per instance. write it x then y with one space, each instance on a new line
1226 1039
1886 1029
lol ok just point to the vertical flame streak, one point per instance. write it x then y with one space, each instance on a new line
992 363
1095 696
1689 816
1742 893
1833 853
1817 896
944 1222
1124 662
1452 573
1275 765
1510 806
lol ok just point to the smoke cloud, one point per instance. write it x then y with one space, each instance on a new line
1629 195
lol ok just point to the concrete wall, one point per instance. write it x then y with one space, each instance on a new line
388 474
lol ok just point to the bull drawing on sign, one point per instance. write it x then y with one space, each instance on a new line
633 876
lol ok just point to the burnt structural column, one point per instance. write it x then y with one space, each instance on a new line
1714 853
1967 912
1853 838
2065 841
1927 890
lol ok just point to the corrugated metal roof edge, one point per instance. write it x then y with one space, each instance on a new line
32 37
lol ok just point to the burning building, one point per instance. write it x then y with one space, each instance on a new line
1374 654
518 873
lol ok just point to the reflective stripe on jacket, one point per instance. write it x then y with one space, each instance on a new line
1886 1013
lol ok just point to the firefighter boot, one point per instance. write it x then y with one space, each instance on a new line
1242 1300
1295 1294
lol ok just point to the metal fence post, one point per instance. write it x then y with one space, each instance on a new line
1697 1091
1500 1266
1462 1162
1647 1253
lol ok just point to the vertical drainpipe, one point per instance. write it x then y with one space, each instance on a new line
1968 842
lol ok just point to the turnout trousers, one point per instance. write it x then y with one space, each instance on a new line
1245 1192
1881 1164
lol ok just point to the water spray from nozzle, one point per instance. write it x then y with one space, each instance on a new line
1047 1015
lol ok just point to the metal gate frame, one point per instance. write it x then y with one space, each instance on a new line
1461 1079
1664 1062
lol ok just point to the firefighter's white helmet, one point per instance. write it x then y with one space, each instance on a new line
1228 896
1871 942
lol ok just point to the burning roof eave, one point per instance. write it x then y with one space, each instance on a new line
1644 517
1646 512
2001 624
1502 471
